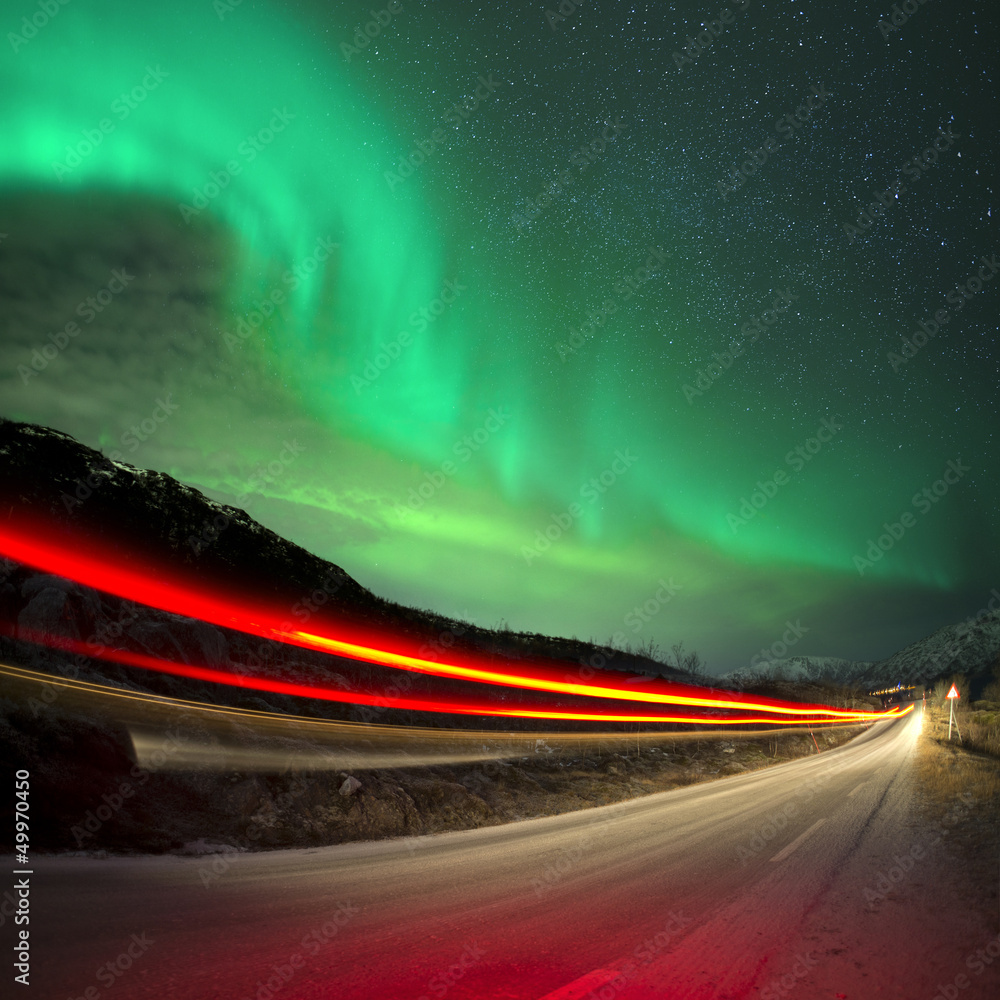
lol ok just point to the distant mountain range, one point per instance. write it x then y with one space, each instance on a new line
803 668
971 647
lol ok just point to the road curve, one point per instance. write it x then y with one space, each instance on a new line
749 886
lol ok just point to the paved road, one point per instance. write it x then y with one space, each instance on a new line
750 886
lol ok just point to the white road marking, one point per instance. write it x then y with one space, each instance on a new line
781 855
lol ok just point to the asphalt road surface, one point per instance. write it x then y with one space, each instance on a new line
763 885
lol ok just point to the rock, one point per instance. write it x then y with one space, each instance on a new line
46 612
201 846
350 786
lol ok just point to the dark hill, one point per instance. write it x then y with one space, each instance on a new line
127 511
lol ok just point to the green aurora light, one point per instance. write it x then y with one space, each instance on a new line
256 122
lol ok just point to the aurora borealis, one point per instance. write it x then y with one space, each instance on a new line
659 320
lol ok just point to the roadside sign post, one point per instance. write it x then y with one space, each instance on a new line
951 696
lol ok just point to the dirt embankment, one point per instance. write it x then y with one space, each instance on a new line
90 795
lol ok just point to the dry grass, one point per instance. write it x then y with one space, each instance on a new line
949 770
960 794
978 727
981 729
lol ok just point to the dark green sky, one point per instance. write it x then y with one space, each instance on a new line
580 310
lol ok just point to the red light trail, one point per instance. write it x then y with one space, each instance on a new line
424 704
28 546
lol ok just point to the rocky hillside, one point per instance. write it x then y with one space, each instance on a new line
804 668
971 647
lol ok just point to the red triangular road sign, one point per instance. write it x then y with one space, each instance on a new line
953 693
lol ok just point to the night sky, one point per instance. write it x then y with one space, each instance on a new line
562 319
